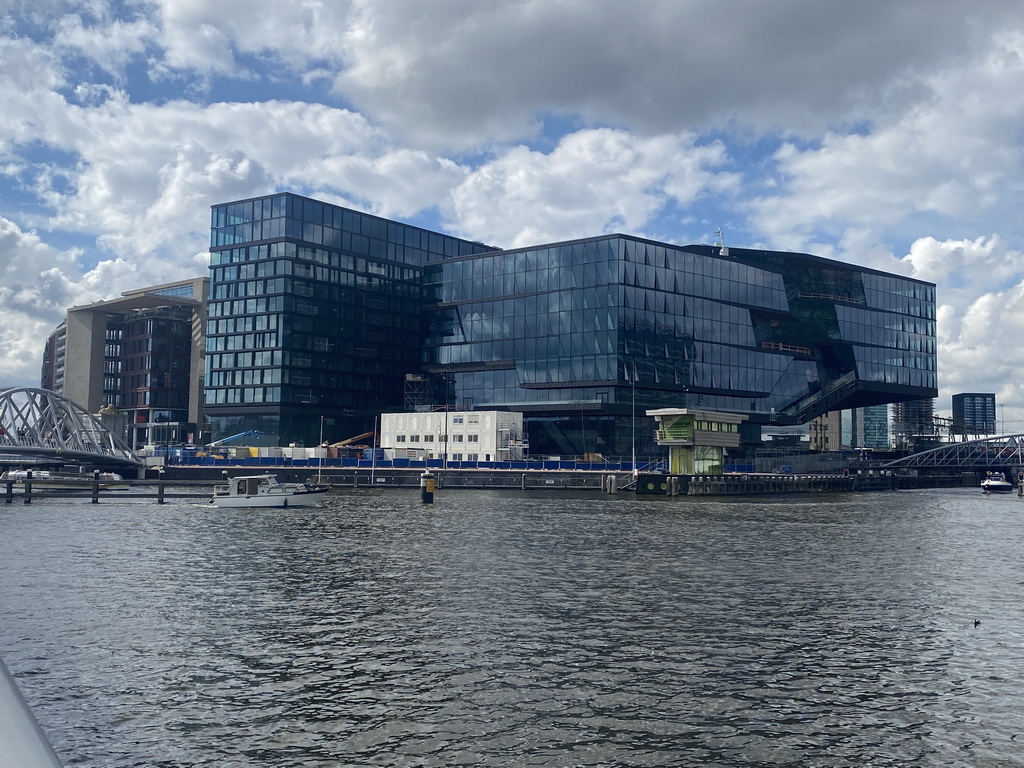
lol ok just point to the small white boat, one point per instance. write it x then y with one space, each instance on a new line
265 491
996 482
44 479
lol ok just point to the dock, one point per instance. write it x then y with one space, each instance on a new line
197 482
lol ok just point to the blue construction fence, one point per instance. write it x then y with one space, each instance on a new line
316 463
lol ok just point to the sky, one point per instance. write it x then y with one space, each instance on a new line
888 135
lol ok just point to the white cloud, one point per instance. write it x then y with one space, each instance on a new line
146 175
29 78
981 313
460 71
110 45
594 181
846 130
215 38
953 157
37 283
978 349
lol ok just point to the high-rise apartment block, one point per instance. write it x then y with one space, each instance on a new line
974 413
142 353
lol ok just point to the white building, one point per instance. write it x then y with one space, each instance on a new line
453 435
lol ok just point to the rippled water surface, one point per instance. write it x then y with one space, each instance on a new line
522 630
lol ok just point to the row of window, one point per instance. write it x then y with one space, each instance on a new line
241 341
714 426
328 289
441 438
290 264
896 286
241 395
243 324
472 323
796 379
309 218
599 260
466 281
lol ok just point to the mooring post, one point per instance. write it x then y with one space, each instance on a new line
10 492
427 487
160 488
95 486
28 487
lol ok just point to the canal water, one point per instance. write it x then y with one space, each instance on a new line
518 629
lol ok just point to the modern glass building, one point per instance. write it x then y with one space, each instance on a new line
874 422
974 413
913 425
315 316
865 428
584 336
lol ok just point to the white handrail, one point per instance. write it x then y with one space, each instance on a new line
22 742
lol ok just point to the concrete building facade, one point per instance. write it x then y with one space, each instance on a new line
454 435
142 354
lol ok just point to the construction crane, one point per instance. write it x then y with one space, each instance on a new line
248 433
352 440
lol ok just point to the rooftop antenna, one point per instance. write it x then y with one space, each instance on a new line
723 251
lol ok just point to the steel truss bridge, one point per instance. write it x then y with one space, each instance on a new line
990 452
36 424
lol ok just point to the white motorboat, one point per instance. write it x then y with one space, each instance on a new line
996 482
266 491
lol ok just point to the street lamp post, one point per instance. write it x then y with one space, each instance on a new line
633 424
319 449
373 456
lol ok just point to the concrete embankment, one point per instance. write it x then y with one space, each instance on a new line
344 477
184 481
607 482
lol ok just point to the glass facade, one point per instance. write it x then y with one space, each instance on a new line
876 427
974 413
582 335
153 359
314 311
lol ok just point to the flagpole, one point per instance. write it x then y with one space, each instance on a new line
634 420
320 449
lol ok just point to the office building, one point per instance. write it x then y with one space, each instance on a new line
913 425
974 413
470 436
583 336
856 428
315 312
826 432
142 354
872 427
319 312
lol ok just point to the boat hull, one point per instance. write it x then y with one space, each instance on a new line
996 488
996 482
280 500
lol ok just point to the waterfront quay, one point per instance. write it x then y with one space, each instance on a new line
196 482
647 483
